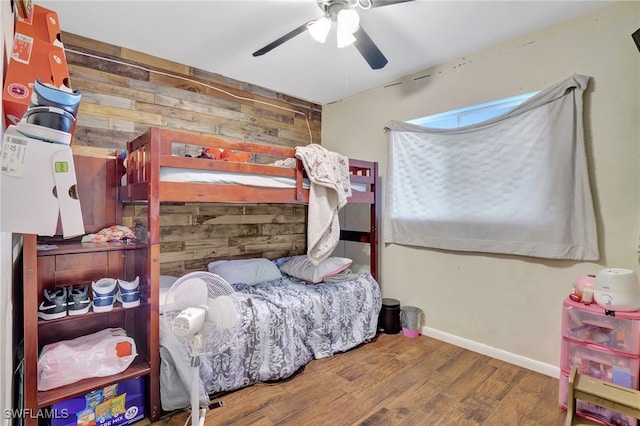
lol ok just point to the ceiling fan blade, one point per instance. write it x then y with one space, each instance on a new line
369 50
288 36
380 3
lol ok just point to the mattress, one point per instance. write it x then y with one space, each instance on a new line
177 174
287 324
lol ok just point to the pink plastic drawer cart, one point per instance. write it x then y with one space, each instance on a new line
603 346
589 324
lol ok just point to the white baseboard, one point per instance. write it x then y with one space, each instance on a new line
530 364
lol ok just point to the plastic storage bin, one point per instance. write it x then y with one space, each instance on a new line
592 411
590 324
600 362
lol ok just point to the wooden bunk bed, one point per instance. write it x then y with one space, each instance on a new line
153 150
160 149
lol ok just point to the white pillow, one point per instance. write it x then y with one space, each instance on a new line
246 271
301 267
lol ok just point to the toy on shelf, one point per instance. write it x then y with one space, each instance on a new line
583 289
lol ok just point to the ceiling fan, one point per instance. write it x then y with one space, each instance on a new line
344 14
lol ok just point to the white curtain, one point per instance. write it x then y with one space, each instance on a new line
515 184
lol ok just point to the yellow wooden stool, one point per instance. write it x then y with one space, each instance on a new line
608 395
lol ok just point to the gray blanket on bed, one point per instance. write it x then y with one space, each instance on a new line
289 323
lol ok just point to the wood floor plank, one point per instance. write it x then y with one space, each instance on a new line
442 410
459 364
478 406
476 375
504 378
540 412
513 408
394 380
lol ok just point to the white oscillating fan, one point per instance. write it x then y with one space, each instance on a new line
209 311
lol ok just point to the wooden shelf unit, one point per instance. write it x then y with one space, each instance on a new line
73 263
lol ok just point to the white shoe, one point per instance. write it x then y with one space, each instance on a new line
104 294
129 293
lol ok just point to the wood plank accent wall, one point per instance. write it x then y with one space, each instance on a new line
194 234
120 102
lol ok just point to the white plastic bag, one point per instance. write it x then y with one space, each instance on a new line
100 354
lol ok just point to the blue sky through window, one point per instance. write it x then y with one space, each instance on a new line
471 114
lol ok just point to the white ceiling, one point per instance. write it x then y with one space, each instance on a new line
220 36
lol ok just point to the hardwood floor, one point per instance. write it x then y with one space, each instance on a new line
395 380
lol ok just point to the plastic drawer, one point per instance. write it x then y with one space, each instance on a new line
592 411
590 324
600 362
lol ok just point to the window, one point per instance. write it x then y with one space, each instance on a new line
471 114
516 183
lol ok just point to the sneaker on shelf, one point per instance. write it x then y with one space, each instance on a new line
46 134
51 113
104 294
129 293
54 304
63 97
78 300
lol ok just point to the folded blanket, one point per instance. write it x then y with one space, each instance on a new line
330 187
111 233
345 275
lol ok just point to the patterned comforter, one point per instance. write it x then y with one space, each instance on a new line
287 323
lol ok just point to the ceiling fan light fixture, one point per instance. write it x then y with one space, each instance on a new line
319 30
345 38
348 20
344 13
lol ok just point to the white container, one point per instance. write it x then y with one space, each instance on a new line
617 289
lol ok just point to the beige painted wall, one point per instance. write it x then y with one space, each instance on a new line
510 306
